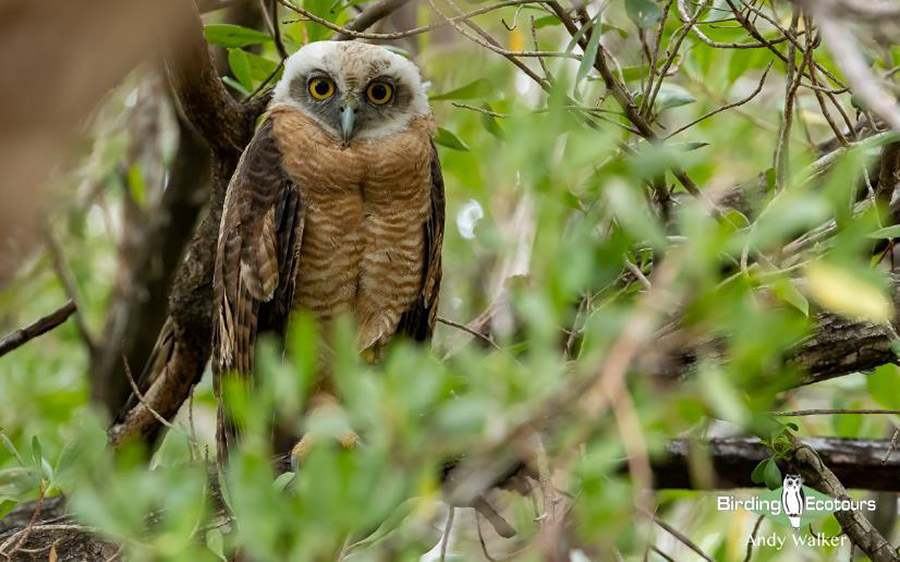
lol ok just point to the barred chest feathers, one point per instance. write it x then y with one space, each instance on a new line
363 237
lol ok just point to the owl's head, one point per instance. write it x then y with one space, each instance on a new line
353 90
792 482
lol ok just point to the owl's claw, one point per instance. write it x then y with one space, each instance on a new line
349 440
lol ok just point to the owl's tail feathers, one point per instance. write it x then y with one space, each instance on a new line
795 521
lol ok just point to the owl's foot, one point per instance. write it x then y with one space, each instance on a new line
299 452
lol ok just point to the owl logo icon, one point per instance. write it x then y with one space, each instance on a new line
792 499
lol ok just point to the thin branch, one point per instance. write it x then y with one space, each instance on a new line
792 80
140 397
479 110
445 538
680 536
371 15
649 101
494 45
269 9
750 542
470 331
21 336
847 55
833 411
636 271
350 33
739 103
891 446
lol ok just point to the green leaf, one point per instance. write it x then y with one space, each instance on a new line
450 140
6 506
476 89
546 21
281 483
578 35
325 10
12 450
261 68
772 475
136 186
230 35
249 69
887 232
672 95
36 454
239 62
883 384
757 476
590 54
390 524
215 542
788 293
232 83
643 13
489 122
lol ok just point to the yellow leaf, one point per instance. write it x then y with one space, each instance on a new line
839 291
53 555
813 118
516 40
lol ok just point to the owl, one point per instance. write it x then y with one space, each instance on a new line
336 207
793 499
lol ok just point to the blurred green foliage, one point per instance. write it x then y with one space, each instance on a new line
555 189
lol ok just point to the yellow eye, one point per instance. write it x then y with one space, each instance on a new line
380 93
321 88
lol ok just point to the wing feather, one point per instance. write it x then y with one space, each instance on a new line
256 262
418 322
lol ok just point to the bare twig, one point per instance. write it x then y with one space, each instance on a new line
847 55
792 81
26 532
680 536
448 529
738 103
833 411
21 336
494 45
372 15
891 446
490 341
636 271
140 397
350 33
751 541
648 101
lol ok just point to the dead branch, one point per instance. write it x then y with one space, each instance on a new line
21 336
857 463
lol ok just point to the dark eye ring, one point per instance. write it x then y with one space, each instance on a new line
379 93
321 88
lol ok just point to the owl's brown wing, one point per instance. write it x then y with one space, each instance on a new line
418 322
256 261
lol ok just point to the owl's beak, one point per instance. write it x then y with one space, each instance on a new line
348 120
